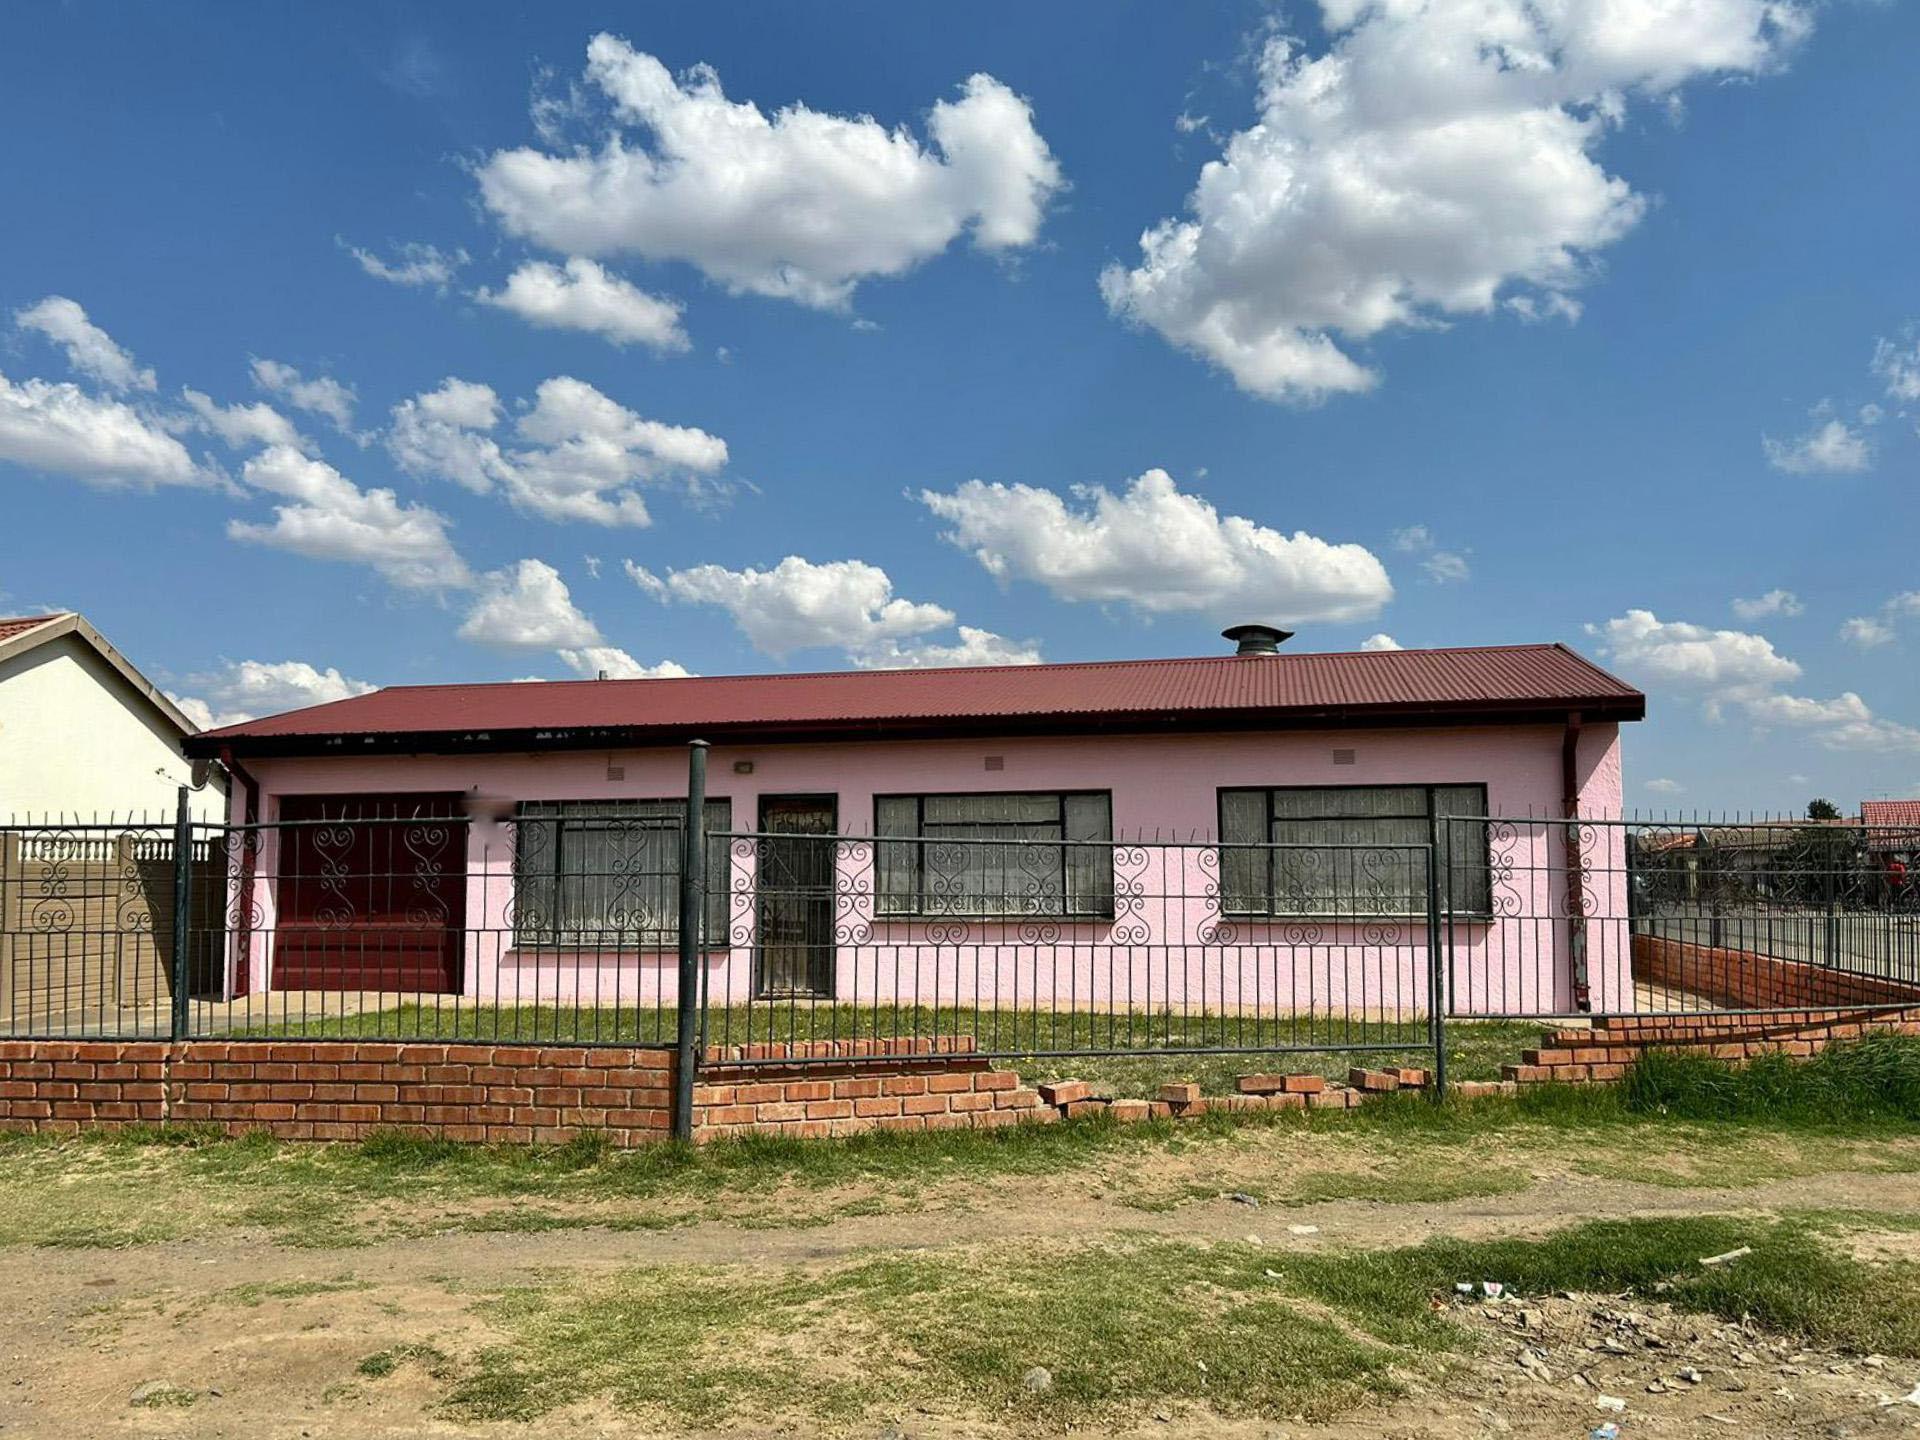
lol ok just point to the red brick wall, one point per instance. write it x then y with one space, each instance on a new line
824 1093
1744 978
340 1091
502 1093
1603 1051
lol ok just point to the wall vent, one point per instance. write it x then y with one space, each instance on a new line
1343 757
616 772
996 762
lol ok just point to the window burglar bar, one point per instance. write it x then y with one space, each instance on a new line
1314 851
597 873
1061 865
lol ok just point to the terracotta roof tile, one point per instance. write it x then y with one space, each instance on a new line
12 625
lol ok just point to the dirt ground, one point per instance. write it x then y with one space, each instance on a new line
235 1336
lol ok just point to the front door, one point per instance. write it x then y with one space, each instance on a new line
371 893
795 886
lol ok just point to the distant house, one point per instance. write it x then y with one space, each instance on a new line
958 831
83 734
1893 832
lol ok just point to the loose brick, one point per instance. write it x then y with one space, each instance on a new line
1064 1092
1376 1081
1262 1084
1181 1093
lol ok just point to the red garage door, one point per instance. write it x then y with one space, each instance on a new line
371 893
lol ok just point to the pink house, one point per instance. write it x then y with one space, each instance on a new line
1244 833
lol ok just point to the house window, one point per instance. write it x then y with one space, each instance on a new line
606 873
1046 854
1352 850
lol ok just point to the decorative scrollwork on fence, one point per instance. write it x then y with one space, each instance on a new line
1504 867
429 845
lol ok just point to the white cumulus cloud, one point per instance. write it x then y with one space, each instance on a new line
1897 364
975 647
412 264
1842 723
1733 667
592 661
60 429
847 605
90 350
582 455
1443 567
323 395
242 425
1159 549
528 607
328 517
584 295
1830 448
799 205
1866 633
246 689
1716 664
1436 159
1380 640
1774 602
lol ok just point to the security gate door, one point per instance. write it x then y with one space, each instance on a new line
794 915
371 893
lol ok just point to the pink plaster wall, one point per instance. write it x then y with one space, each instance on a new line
1169 948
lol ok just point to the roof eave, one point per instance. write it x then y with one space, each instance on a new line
73 623
627 737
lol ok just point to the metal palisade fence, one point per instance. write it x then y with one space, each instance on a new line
1021 931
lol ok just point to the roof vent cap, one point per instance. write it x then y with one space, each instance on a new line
1256 639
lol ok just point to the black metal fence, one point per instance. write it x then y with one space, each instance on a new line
1013 936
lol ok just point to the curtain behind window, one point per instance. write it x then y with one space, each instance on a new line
953 868
607 872
1350 850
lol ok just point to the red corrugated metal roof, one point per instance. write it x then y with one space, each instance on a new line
12 625
1188 693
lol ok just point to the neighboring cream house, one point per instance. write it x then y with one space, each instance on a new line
83 734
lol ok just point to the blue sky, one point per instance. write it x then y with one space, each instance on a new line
1479 327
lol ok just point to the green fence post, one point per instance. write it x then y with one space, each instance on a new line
182 911
693 908
1436 967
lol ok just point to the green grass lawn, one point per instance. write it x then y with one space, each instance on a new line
1126 1053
